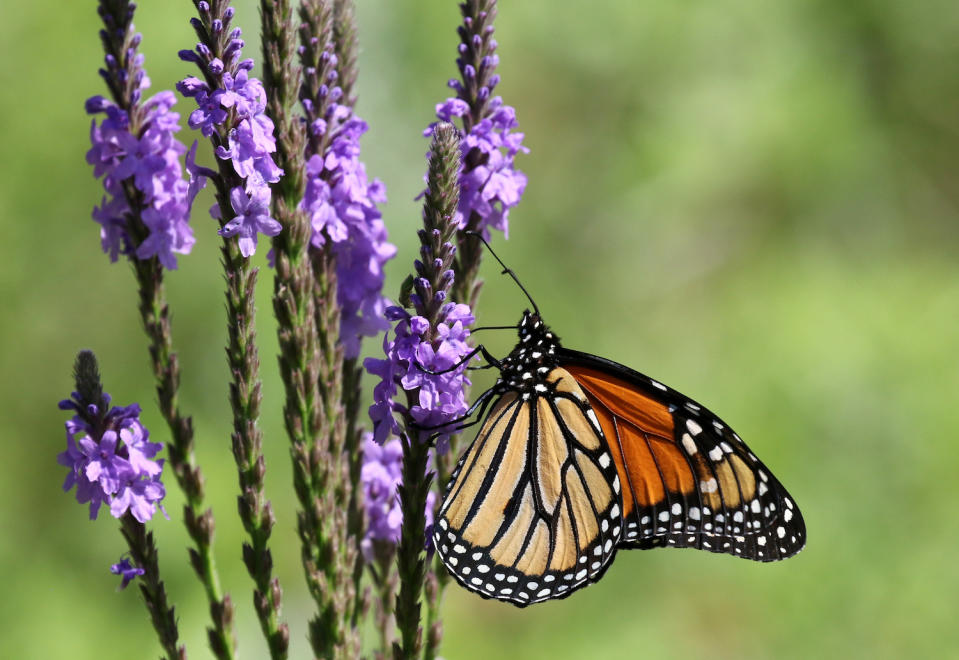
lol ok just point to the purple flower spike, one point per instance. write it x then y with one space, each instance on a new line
342 203
409 358
490 184
232 105
110 459
134 147
127 570
427 357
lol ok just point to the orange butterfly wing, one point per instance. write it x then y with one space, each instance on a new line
688 479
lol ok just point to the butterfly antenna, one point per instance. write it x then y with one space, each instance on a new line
506 269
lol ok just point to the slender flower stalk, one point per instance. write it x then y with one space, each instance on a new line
420 361
145 217
230 112
348 248
489 184
143 552
360 263
110 461
301 361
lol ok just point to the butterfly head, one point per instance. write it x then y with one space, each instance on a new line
534 356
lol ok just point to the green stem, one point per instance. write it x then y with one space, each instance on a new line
411 554
144 554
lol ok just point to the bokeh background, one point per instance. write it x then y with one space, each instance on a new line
754 202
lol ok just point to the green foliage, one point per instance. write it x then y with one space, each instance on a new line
753 202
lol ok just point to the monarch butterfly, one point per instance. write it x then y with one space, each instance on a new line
580 456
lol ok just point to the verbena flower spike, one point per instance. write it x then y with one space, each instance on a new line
144 216
231 113
347 251
428 342
109 459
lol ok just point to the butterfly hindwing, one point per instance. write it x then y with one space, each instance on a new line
688 479
532 510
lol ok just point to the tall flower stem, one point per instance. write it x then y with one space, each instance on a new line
109 439
144 554
346 47
411 560
353 453
383 576
308 314
490 185
296 306
198 520
441 199
120 44
217 57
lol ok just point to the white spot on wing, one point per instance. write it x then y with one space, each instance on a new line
592 418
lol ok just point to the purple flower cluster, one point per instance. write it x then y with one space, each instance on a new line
489 184
126 569
111 461
342 203
381 474
143 160
237 102
409 358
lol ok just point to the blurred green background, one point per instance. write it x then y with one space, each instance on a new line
754 202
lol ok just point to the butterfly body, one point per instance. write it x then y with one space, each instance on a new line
580 456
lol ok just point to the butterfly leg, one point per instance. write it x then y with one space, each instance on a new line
481 402
490 362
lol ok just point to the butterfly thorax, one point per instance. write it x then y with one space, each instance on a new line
525 369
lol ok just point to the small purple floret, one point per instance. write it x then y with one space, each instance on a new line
127 570
252 218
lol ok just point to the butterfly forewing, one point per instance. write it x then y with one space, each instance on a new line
688 479
532 511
